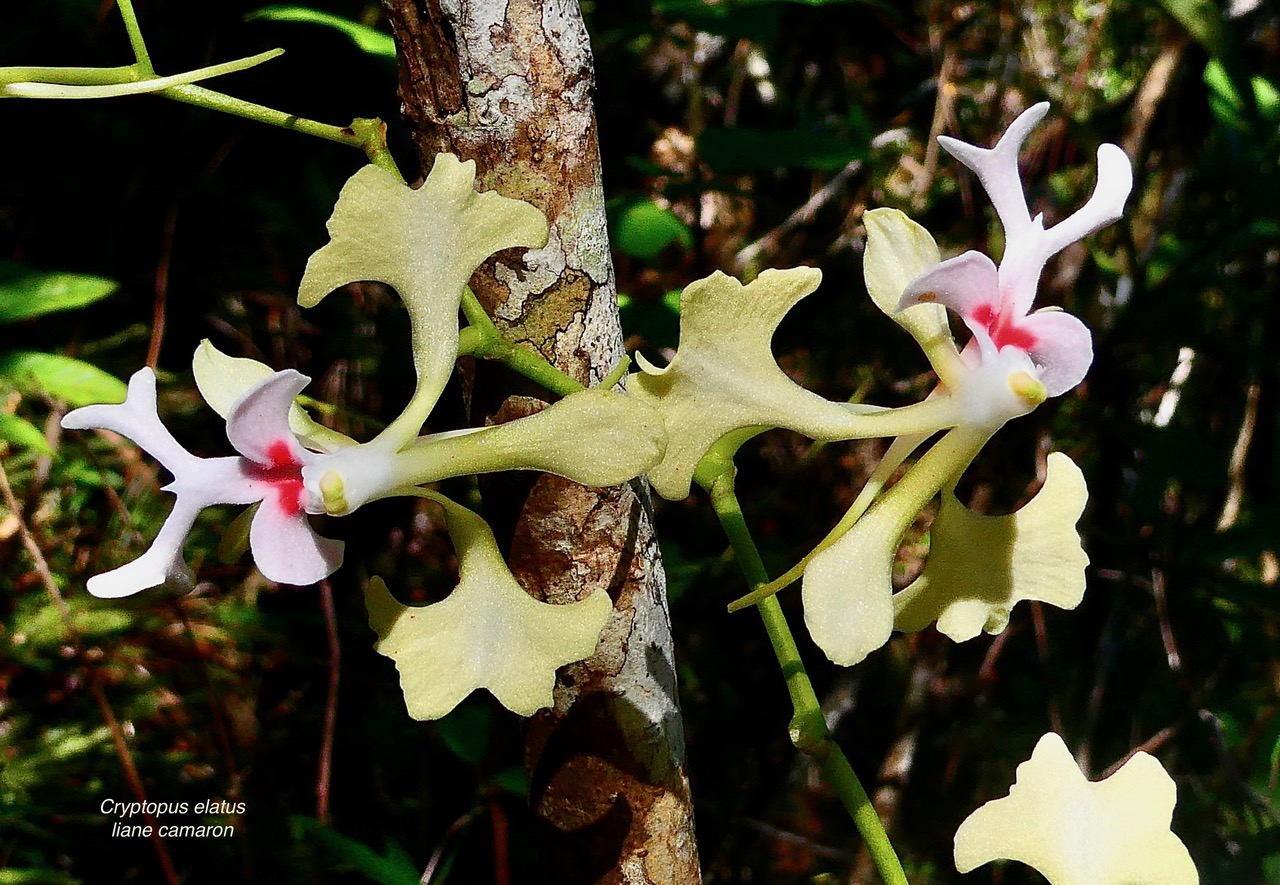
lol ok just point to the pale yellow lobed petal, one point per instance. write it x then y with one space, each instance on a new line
221 379
848 587
489 633
1074 832
425 243
980 566
724 378
899 250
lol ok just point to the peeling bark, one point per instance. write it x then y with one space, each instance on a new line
509 84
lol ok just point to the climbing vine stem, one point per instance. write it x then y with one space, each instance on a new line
809 730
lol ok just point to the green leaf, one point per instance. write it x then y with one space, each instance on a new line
465 731
760 23
370 40
393 868
513 780
60 377
22 433
28 293
1229 107
657 322
741 149
643 229
36 877
1202 20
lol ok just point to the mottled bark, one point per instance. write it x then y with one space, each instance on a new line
509 84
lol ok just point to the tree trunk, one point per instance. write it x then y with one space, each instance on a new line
509 84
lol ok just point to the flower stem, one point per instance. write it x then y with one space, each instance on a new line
238 107
482 339
808 728
897 453
135 35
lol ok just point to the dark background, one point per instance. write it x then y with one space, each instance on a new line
717 123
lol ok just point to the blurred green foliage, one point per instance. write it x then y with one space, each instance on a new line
735 136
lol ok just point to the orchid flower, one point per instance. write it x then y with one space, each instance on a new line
427 243
267 471
1015 361
995 302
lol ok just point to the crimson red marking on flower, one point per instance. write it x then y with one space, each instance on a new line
284 474
280 455
1004 334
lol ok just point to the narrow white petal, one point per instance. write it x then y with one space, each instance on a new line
1105 206
997 168
136 418
161 564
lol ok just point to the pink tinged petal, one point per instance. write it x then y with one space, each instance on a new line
136 418
1063 349
258 422
997 169
967 284
287 550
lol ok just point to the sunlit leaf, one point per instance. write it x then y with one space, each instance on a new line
60 377
21 432
643 229
370 40
1201 18
27 293
1229 106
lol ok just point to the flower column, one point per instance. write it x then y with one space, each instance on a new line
514 93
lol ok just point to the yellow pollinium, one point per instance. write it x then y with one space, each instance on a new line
332 493
1027 387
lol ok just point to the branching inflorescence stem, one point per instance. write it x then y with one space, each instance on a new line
808 727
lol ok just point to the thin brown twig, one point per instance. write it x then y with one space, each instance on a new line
1150 745
1158 590
160 304
438 855
95 688
324 775
501 852
1042 652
